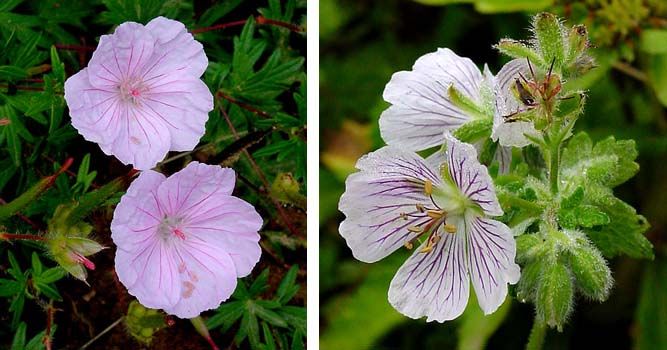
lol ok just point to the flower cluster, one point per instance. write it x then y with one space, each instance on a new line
182 241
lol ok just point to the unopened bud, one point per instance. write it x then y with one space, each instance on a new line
592 274
555 295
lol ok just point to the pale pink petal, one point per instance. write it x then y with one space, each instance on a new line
390 183
471 177
421 108
184 192
153 268
207 278
138 214
434 284
140 140
121 55
181 103
491 252
230 224
90 106
177 50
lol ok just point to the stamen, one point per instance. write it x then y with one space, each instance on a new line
436 214
426 249
450 228
408 245
428 187
403 216
179 234
420 208
415 229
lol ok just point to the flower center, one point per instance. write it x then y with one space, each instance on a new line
169 227
446 202
132 89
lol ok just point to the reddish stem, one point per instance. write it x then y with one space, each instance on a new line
262 177
24 237
244 105
261 20
78 48
24 218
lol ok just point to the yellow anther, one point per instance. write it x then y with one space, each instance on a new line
426 249
436 214
403 216
420 208
415 229
428 187
408 245
450 228
435 239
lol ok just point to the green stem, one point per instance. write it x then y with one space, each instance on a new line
537 335
554 166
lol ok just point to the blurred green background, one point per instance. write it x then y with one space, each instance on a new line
364 41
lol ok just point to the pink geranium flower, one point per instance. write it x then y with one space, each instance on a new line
183 241
140 96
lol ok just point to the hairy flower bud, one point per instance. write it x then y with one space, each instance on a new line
555 296
591 272
549 33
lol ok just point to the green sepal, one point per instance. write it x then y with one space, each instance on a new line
465 104
519 50
474 130
549 35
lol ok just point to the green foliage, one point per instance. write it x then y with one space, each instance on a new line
256 73
29 283
555 296
613 225
494 6
281 323
651 314
35 343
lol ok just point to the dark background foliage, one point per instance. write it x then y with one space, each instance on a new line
256 51
364 42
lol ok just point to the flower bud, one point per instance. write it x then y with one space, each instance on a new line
591 272
71 253
142 322
555 296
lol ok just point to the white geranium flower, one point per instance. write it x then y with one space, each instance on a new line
422 109
399 199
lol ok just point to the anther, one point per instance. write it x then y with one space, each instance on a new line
408 245
420 208
435 214
415 229
403 216
450 228
428 187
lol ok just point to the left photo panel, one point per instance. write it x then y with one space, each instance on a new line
153 174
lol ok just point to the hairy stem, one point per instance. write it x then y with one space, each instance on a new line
554 164
24 237
537 335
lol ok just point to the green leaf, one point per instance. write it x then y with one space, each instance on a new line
19 337
120 11
37 266
269 316
288 287
226 315
657 73
217 11
624 233
651 313
48 290
549 34
593 277
52 275
9 288
653 41
12 73
476 328
356 320
260 284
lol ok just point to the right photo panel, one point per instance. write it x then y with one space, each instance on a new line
492 174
